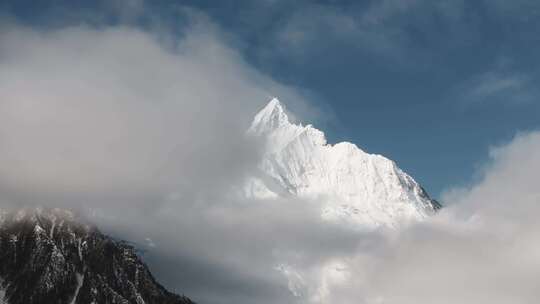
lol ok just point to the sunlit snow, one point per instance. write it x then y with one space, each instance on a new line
359 189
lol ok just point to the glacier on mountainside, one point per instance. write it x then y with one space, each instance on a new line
357 188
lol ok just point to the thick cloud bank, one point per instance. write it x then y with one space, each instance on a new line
149 133
121 113
482 249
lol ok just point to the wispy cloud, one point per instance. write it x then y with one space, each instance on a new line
498 86
386 28
492 84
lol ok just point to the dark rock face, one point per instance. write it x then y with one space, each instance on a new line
48 256
434 203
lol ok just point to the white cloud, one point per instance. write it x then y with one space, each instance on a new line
149 132
114 111
498 86
482 249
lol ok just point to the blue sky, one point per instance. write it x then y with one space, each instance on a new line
430 84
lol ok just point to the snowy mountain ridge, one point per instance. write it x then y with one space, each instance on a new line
359 189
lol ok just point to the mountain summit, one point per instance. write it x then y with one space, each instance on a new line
271 117
356 188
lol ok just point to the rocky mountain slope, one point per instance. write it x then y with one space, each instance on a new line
356 188
50 256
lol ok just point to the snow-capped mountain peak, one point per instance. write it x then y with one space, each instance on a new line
271 117
273 123
357 188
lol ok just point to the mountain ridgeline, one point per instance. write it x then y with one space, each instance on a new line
51 256
357 189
